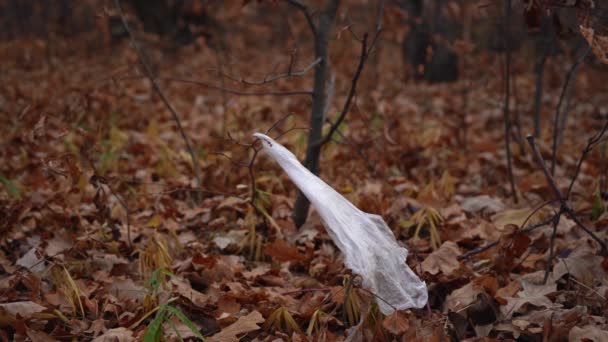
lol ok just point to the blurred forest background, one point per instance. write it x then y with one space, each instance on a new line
134 204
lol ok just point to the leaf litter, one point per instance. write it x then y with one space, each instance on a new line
74 147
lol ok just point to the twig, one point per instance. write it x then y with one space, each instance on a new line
541 163
353 88
122 203
569 76
506 113
149 74
238 92
591 143
274 125
311 289
489 245
268 78
304 9
586 287
226 90
220 73
238 164
556 219
539 70
565 207
351 94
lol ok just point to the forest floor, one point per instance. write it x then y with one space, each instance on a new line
104 237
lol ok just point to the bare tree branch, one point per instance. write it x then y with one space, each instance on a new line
506 109
304 9
593 141
156 87
569 77
565 207
269 78
237 92
353 88
351 94
489 245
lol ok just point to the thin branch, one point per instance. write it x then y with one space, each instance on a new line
149 74
351 94
274 125
565 207
547 41
489 245
590 145
120 200
304 9
237 92
569 76
295 128
556 219
234 162
290 73
506 113
541 163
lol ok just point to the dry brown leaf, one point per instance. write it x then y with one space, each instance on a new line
116 335
462 297
39 336
176 330
587 333
599 44
396 323
283 251
32 261
483 203
584 266
516 217
444 259
24 309
243 325
187 292
521 305
126 289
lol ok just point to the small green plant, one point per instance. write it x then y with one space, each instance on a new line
164 313
11 188
598 206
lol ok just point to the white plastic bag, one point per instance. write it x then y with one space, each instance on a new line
368 244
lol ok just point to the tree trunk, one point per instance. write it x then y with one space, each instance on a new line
326 19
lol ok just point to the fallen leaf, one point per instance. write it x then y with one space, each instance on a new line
483 310
396 323
599 44
39 336
243 325
24 309
116 335
584 266
126 289
444 259
31 261
520 305
587 333
483 203
185 290
283 251
462 297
